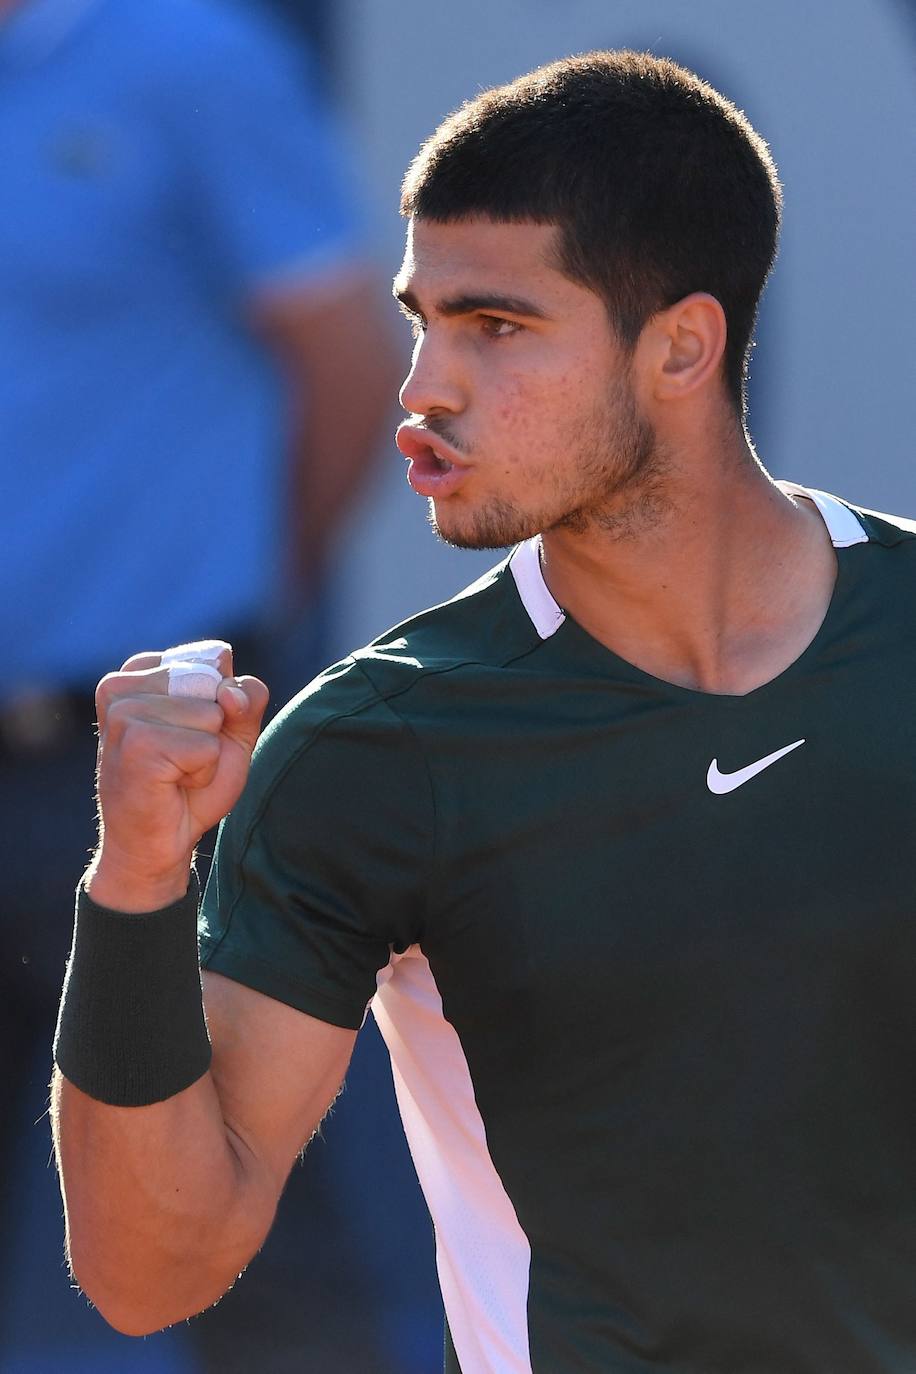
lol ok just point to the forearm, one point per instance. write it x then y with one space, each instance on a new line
164 1204
342 372
174 1133
334 448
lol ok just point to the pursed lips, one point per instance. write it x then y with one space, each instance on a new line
421 445
434 470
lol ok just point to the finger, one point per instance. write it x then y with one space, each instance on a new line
201 776
168 673
147 751
133 682
182 713
136 662
244 701
193 679
214 652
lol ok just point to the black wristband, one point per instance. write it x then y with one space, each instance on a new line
131 1028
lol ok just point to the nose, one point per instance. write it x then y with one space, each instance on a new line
433 382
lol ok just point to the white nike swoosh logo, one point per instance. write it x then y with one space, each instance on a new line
720 783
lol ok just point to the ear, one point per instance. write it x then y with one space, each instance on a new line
683 346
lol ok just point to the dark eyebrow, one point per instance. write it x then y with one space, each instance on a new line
470 301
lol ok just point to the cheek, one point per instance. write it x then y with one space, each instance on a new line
528 412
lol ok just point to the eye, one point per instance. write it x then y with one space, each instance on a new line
495 327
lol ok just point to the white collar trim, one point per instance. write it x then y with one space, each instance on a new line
546 616
844 527
543 611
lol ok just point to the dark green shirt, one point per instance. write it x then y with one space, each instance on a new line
645 960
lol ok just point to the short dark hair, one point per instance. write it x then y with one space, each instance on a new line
657 184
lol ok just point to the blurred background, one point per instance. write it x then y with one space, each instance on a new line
198 376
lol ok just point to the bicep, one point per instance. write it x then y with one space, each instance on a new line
276 1071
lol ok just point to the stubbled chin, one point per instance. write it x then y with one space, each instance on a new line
498 526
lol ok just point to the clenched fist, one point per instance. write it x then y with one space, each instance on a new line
172 763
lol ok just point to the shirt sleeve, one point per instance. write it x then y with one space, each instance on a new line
269 177
321 869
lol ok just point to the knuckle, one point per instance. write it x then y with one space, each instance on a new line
106 690
208 747
115 718
119 714
202 761
205 716
137 741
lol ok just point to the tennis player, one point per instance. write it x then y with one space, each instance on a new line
617 843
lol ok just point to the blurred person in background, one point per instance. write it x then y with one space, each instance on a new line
194 361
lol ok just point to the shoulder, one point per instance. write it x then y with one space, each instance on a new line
850 523
373 690
883 555
483 627
882 528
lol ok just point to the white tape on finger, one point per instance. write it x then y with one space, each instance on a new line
201 651
193 679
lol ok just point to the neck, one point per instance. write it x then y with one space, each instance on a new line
716 582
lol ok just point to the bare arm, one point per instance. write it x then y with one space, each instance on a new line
343 371
166 1203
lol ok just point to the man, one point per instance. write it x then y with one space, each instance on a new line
609 833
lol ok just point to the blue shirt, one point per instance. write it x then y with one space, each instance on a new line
161 163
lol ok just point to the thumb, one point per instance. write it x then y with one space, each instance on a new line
244 701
